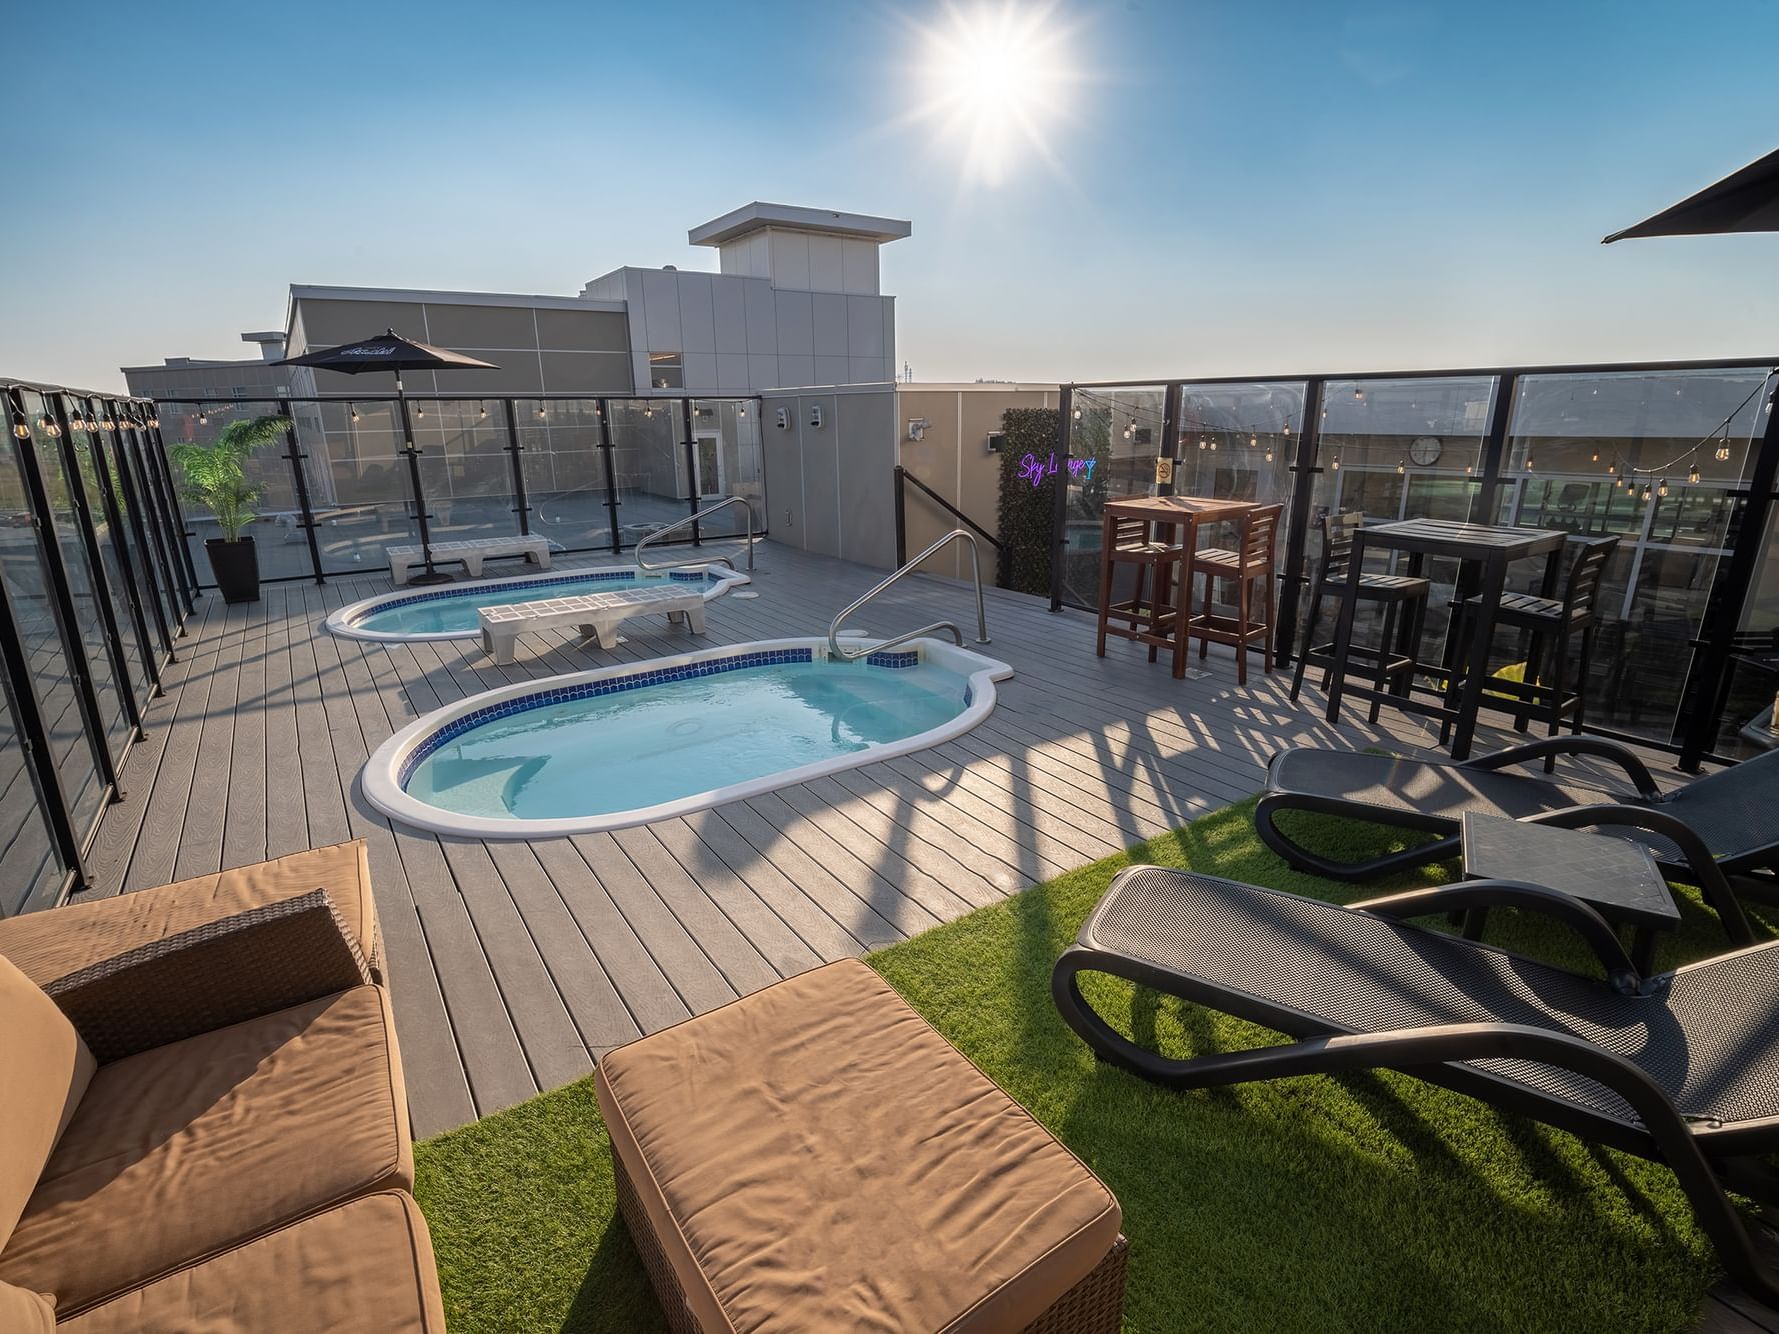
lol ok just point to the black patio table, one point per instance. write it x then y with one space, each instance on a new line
1483 553
1614 875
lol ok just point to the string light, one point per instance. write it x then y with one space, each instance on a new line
1692 477
1253 439
1401 467
1528 460
1662 490
1595 458
1645 495
420 413
1269 453
203 417
19 428
1723 450
540 412
1077 414
50 426
1358 394
1287 428
1336 464
740 412
354 408
484 412
1469 468
648 410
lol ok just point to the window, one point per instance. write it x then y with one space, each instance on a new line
665 371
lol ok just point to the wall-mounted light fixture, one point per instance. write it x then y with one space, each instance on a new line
782 419
997 441
815 415
917 428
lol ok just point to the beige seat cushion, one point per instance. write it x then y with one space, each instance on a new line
816 1157
49 945
191 1148
366 1265
24 1312
44 1071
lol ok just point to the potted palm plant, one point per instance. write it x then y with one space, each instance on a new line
216 479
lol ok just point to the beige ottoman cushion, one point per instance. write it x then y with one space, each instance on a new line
816 1157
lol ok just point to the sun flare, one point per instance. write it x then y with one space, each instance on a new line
995 80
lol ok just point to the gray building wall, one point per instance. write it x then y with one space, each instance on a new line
829 486
541 345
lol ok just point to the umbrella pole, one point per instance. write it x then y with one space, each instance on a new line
429 575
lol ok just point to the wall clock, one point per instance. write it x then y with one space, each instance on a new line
1425 451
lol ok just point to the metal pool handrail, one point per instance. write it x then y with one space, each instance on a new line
955 535
693 518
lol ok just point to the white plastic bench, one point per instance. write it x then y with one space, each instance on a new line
597 614
470 551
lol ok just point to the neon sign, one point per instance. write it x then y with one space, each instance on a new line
1034 469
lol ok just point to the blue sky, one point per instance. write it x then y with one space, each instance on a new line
1234 188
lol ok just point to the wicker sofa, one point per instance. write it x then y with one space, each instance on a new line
202 1116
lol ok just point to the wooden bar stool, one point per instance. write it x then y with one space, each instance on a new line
1148 614
1251 560
1396 594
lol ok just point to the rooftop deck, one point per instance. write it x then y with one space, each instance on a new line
514 964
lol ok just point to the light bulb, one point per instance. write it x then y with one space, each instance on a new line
648 410
1287 427
540 411
1077 414
55 431
1723 453
1612 469
22 431
1336 467
1528 460
1662 490
741 412
203 418
420 412
1595 457
484 412
1204 444
354 414
1253 440
1469 468
1213 446
1269 453
1645 495
1401 467
1692 476
1358 394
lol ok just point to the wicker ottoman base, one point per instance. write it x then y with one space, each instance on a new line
1095 1305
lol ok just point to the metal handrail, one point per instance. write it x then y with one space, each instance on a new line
955 535
705 513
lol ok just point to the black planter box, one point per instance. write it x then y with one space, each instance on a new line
236 567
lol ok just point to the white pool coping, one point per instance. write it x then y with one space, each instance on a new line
382 782
342 621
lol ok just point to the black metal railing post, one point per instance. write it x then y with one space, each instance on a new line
1304 470
1707 685
901 475
34 738
103 597
1494 450
61 599
120 546
300 480
1170 436
692 478
143 525
514 450
603 408
1059 515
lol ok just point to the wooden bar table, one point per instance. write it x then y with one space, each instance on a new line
1484 553
1160 513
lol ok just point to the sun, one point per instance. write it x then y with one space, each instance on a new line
995 79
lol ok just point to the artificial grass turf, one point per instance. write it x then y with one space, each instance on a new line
1373 1202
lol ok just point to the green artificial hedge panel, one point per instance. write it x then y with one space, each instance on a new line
1032 467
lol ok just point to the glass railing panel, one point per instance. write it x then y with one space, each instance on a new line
116 545
1655 458
276 530
29 871
1115 437
1395 449
565 472
727 456
63 530
24 572
653 477
359 486
466 470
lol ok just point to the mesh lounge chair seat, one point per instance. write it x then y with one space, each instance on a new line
1717 832
1682 1068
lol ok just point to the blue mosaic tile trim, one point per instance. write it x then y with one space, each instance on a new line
589 689
467 590
969 697
895 660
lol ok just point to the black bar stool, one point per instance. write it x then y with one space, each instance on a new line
1149 609
1393 592
1545 694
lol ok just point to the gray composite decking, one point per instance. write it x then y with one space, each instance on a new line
514 963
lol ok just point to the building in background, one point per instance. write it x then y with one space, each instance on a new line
190 377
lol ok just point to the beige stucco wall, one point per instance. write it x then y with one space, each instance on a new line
953 459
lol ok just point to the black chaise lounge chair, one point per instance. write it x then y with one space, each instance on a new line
1719 832
1682 1068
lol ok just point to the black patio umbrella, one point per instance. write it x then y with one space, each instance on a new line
389 351
1744 201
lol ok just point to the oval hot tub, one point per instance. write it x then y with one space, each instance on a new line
645 741
450 613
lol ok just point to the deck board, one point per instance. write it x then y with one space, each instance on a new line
514 964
